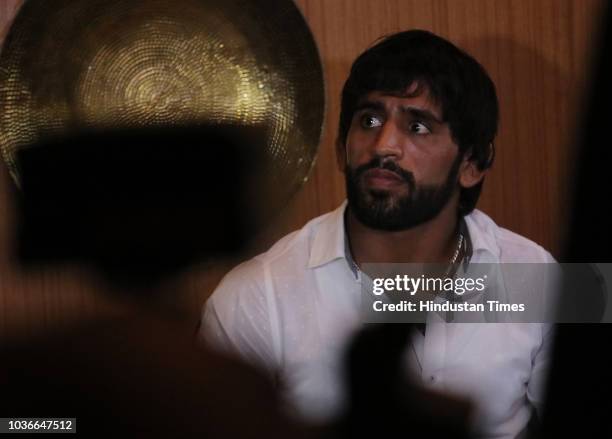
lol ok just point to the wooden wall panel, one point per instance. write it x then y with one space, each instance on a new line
537 54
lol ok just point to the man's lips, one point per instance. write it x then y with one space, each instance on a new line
382 178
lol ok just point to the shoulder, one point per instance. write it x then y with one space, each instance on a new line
250 277
297 243
504 244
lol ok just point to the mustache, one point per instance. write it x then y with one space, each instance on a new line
389 165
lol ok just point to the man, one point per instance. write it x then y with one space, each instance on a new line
417 125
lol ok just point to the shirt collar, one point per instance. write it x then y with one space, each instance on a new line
328 243
482 232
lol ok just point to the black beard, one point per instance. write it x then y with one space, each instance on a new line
383 211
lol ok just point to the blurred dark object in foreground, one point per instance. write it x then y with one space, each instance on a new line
139 204
138 375
579 400
384 402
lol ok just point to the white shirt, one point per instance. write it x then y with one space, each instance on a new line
293 309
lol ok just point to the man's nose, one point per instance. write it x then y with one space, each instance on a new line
388 142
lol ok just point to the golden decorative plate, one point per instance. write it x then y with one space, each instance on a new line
69 65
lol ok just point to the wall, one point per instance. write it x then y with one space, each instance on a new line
537 54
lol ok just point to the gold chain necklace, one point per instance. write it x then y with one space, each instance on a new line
452 262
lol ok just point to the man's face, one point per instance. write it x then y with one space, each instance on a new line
400 162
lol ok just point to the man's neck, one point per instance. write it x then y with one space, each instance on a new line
433 241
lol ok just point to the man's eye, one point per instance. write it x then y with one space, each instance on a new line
370 121
419 128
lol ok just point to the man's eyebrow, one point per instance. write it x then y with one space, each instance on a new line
420 113
370 105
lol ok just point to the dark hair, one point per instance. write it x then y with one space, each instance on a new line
455 81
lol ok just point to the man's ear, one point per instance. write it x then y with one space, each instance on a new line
340 155
469 174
